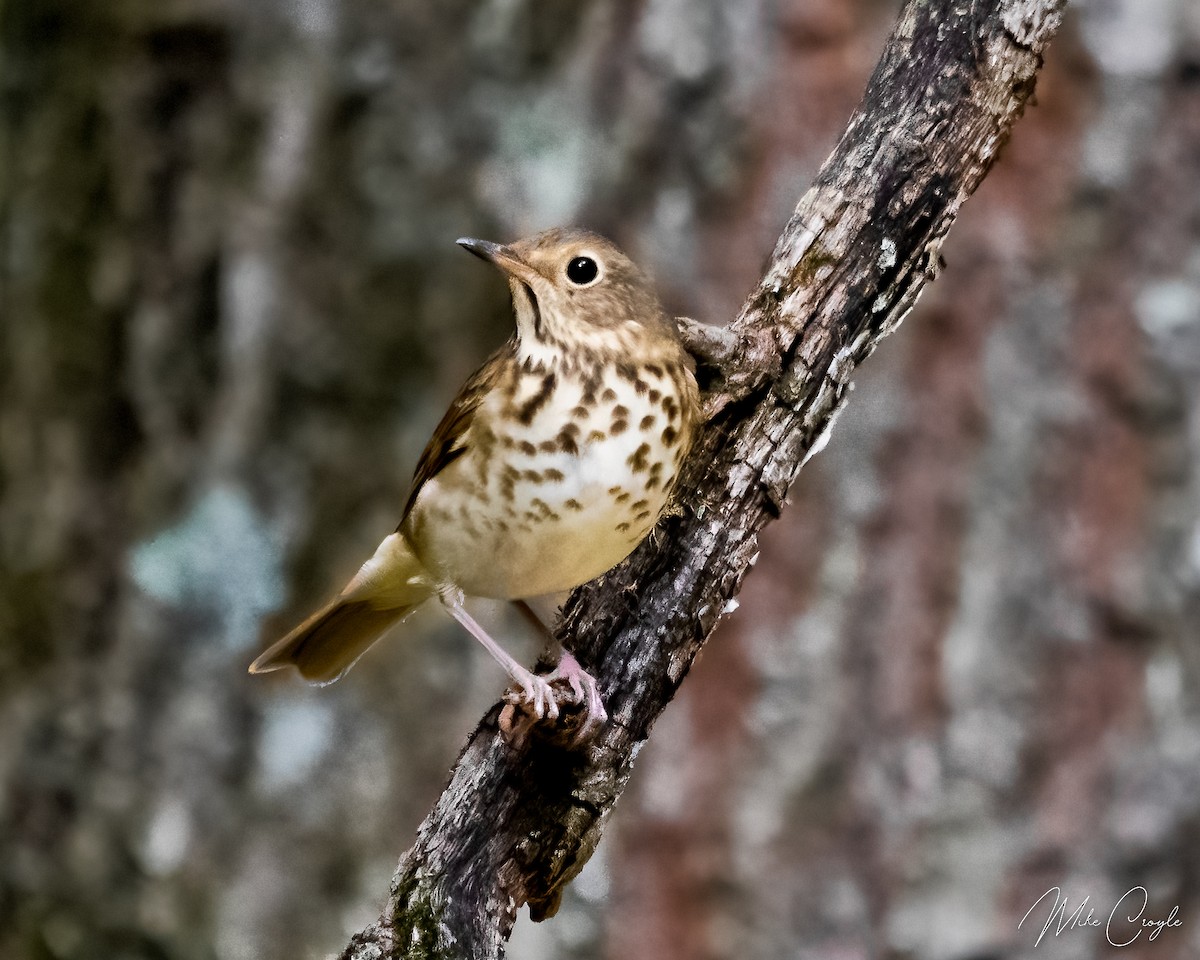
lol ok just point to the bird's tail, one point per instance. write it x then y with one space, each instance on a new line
328 643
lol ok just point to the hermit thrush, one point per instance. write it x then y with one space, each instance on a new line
553 462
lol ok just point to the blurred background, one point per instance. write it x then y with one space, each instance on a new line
965 668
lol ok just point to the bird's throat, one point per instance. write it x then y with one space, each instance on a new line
532 311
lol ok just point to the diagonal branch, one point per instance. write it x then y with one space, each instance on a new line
516 823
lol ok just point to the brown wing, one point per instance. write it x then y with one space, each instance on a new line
449 440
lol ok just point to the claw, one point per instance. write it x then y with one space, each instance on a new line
583 687
535 694
533 698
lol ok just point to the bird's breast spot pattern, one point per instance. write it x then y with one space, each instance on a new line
580 484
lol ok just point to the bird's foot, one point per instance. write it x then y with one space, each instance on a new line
535 694
587 694
568 684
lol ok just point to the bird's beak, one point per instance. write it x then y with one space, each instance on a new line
503 257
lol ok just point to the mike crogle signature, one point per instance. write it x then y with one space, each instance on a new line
1126 923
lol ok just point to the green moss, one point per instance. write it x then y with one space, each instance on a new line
814 259
417 921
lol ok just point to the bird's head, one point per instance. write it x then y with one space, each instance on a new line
572 288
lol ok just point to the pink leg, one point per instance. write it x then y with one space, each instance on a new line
582 685
535 690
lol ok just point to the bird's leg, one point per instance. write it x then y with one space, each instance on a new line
535 690
582 684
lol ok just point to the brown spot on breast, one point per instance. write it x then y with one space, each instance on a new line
622 527
644 515
654 395
581 412
531 476
653 483
508 479
592 383
639 459
647 422
639 505
641 387
609 395
567 439
507 442
671 406
620 412
669 436
613 490
654 370
617 427
528 410
574 504
528 448
543 509
623 495
554 476
595 436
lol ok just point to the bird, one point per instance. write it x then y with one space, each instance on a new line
554 461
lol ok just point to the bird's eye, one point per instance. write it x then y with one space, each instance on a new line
583 270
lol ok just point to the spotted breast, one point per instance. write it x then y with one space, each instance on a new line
565 470
551 464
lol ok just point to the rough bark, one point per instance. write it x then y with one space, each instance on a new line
516 823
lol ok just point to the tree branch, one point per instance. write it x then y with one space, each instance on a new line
516 823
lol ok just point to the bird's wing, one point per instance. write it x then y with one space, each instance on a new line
450 437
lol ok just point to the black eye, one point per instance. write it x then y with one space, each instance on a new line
582 270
